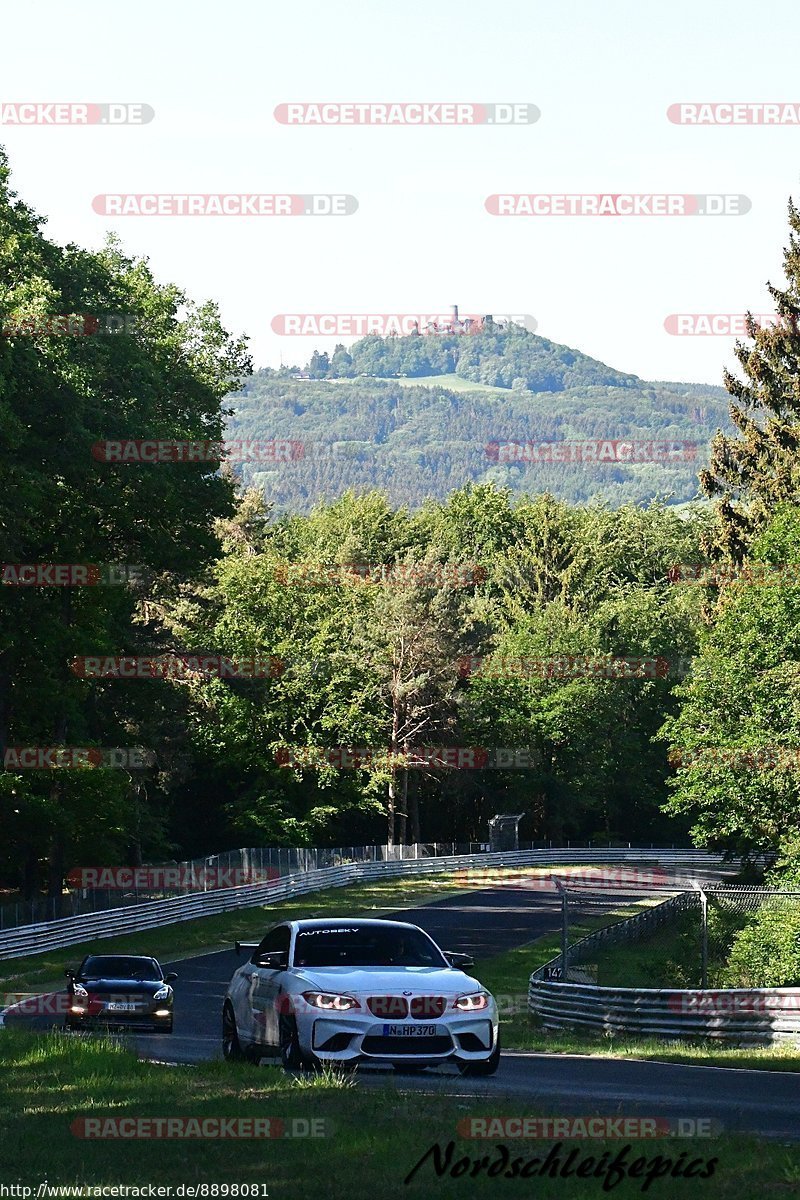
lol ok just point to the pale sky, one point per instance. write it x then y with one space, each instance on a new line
602 72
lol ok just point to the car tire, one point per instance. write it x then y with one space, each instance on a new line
231 1047
487 1067
292 1057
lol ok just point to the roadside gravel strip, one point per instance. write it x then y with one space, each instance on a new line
485 923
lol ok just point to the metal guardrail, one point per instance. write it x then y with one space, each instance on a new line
752 1016
70 931
746 1016
168 879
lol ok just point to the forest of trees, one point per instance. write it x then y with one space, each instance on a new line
370 600
421 442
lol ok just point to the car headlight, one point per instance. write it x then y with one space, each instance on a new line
332 1002
474 1002
79 991
162 993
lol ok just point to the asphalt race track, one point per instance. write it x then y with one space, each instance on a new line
484 923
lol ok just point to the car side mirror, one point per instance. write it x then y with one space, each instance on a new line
459 960
168 978
240 946
70 974
277 960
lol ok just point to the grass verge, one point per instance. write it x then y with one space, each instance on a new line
374 1135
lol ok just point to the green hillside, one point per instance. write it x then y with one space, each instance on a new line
419 435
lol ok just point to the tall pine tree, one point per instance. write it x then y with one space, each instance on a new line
750 473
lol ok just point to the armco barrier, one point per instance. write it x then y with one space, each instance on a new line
746 1016
754 1016
50 935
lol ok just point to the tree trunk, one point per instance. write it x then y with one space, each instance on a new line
56 865
412 805
393 750
402 815
390 810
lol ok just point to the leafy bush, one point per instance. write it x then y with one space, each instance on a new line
766 953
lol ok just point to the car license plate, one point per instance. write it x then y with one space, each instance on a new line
409 1030
116 1007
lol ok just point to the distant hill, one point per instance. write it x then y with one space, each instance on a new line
496 356
417 416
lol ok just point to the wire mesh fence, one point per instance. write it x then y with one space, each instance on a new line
656 935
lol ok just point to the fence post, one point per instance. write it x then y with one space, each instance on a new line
704 940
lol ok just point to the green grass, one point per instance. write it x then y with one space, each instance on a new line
374 1135
453 383
670 957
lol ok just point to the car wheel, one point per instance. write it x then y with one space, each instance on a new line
292 1057
231 1048
487 1067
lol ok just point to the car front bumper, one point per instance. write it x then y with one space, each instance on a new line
347 1039
156 1016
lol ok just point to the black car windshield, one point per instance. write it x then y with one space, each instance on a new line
365 946
108 967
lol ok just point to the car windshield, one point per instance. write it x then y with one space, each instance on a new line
108 967
365 946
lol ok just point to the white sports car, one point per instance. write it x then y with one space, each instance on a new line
346 990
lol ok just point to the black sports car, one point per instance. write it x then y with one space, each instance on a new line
119 990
